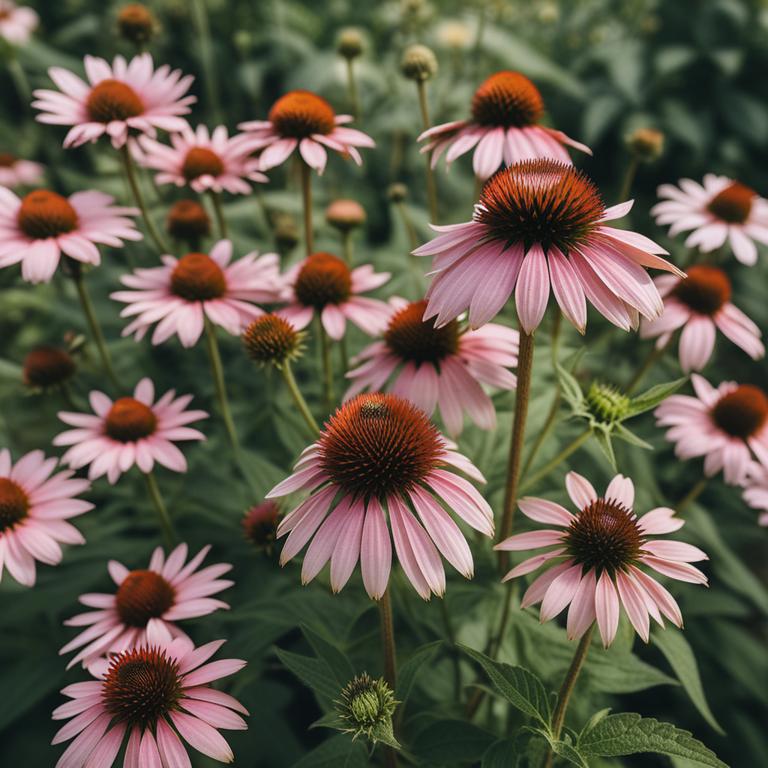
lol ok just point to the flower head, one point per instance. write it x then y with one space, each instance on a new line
720 210
147 602
442 367
380 455
34 507
350 43
181 294
15 172
157 694
202 160
324 283
418 63
595 566
17 23
538 224
366 707
303 120
188 222
47 367
37 228
700 304
131 430
119 100
646 144
271 339
345 215
727 425
260 525
136 23
505 127
756 490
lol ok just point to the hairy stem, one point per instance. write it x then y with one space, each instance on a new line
354 98
629 177
298 398
306 197
221 388
325 352
431 188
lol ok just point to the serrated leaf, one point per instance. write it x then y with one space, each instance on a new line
653 396
672 643
314 673
337 662
452 741
517 685
501 754
338 752
407 673
631 734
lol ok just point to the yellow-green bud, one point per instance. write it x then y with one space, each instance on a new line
350 43
397 192
366 708
419 63
646 144
607 403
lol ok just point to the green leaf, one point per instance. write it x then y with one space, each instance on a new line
501 754
338 752
517 685
571 389
653 396
672 643
620 431
314 673
631 734
452 741
337 662
603 439
407 673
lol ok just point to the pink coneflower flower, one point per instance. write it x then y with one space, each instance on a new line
303 120
202 160
131 430
147 600
36 229
181 294
756 491
541 223
120 100
157 695
700 304
34 508
720 210
727 426
15 172
380 455
324 283
597 557
17 23
438 366
505 128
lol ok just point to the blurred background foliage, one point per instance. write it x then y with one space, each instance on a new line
694 70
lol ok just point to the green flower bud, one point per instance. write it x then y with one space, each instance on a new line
350 43
646 144
397 192
366 708
607 403
418 63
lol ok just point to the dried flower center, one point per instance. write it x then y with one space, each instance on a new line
44 214
507 99
112 100
410 337
604 536
324 279
733 204
299 114
14 504
742 412
376 445
142 685
197 277
705 290
142 596
201 161
7 159
270 339
540 201
47 366
129 420
187 220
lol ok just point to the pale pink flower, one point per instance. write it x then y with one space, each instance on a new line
17 23
36 229
727 426
595 563
16 172
303 120
505 128
202 160
379 456
119 100
182 293
146 600
756 490
442 367
700 304
324 283
541 224
721 210
34 507
131 430
158 695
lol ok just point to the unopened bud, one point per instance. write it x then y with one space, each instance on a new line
646 144
260 525
136 23
607 403
188 221
351 43
419 63
397 192
272 340
47 367
345 215
366 708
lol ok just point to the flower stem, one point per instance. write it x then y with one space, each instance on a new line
410 230
692 495
220 385
421 86
388 639
160 508
451 634
572 447
203 34
221 222
325 351
354 98
306 196
629 177
20 81
93 325
524 368
298 398
346 247
566 689
651 359
130 175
